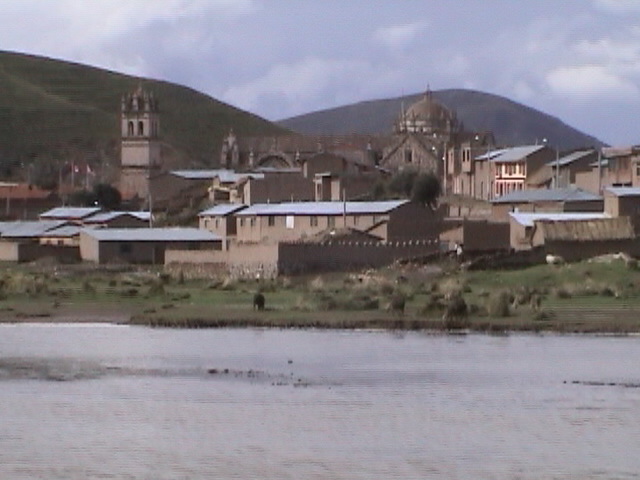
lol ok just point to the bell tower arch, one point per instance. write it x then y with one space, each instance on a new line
140 157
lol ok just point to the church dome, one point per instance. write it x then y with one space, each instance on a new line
428 108
427 116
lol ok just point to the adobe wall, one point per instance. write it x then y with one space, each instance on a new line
575 251
196 264
240 261
8 251
485 236
28 252
297 258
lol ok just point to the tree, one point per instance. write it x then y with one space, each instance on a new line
426 189
402 182
107 196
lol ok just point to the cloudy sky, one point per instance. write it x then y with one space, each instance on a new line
578 60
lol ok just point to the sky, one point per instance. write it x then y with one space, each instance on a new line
578 60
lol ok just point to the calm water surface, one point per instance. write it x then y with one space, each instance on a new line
97 401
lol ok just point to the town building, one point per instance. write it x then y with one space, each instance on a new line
391 220
545 200
142 245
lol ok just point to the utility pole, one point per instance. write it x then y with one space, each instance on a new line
557 168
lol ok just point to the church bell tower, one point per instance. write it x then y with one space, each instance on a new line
140 145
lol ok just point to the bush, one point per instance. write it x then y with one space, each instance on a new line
498 305
455 315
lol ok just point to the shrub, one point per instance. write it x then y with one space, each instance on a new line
498 304
455 315
316 284
87 288
397 303
156 289
562 293
386 288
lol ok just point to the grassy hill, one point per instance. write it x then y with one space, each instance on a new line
512 123
53 111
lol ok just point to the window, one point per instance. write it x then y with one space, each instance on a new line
130 129
331 222
140 128
408 156
252 222
271 220
242 222
289 221
355 219
313 221
217 222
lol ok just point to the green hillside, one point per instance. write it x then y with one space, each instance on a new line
53 111
512 123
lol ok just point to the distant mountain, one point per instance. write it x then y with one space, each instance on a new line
512 123
53 111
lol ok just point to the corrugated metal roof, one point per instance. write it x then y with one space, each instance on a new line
491 154
322 208
516 154
221 210
572 157
66 231
103 217
278 170
527 219
199 174
31 228
225 175
152 235
74 213
624 191
547 195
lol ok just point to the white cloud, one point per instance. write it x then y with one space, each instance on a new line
293 88
609 50
618 6
590 81
398 37
523 91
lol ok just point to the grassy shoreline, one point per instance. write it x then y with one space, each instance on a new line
588 297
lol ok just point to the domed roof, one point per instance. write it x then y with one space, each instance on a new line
428 108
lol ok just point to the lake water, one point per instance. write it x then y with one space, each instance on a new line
119 402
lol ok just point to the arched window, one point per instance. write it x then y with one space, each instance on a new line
130 129
140 128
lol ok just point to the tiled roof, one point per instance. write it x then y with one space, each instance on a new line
322 208
547 195
151 235
516 154
221 210
72 213
527 219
